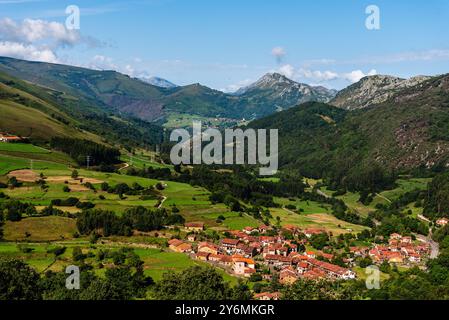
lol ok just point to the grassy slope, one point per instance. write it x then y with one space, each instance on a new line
29 122
40 229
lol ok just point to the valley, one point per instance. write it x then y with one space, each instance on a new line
86 179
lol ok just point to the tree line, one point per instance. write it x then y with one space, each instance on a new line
107 223
80 149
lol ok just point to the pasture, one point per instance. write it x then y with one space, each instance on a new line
315 220
40 229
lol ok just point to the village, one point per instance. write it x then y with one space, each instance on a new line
265 251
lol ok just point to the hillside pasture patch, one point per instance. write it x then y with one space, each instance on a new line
40 229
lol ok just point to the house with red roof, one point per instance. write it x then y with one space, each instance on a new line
267 296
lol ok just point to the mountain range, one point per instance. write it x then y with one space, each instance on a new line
401 124
156 99
408 130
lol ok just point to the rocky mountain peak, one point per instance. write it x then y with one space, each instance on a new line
373 90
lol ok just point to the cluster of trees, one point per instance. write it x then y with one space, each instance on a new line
132 132
242 184
437 197
80 149
72 202
394 219
151 173
139 218
368 178
124 281
136 189
13 210
198 283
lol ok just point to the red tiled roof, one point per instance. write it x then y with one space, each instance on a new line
232 242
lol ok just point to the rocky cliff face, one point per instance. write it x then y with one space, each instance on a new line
373 90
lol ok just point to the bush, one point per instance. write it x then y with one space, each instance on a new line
255 277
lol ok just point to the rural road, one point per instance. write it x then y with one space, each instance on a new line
124 167
382 197
162 202
321 193
434 246
420 216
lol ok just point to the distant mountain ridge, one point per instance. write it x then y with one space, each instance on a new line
118 93
159 82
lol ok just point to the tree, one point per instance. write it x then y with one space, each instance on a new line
241 291
195 283
74 174
121 283
18 281
319 241
77 254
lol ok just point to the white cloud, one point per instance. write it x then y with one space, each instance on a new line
32 31
317 75
237 86
356 75
287 70
279 53
100 62
29 52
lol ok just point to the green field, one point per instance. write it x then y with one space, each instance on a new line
22 147
406 185
315 220
141 161
10 163
306 206
40 229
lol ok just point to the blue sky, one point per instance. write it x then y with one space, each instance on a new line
225 44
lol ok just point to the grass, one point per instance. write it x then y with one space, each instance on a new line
141 161
11 163
233 221
40 229
307 206
362 274
22 147
316 220
406 185
26 121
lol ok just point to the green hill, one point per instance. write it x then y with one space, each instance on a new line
407 132
41 113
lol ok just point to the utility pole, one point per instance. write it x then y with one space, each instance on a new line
31 164
88 158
